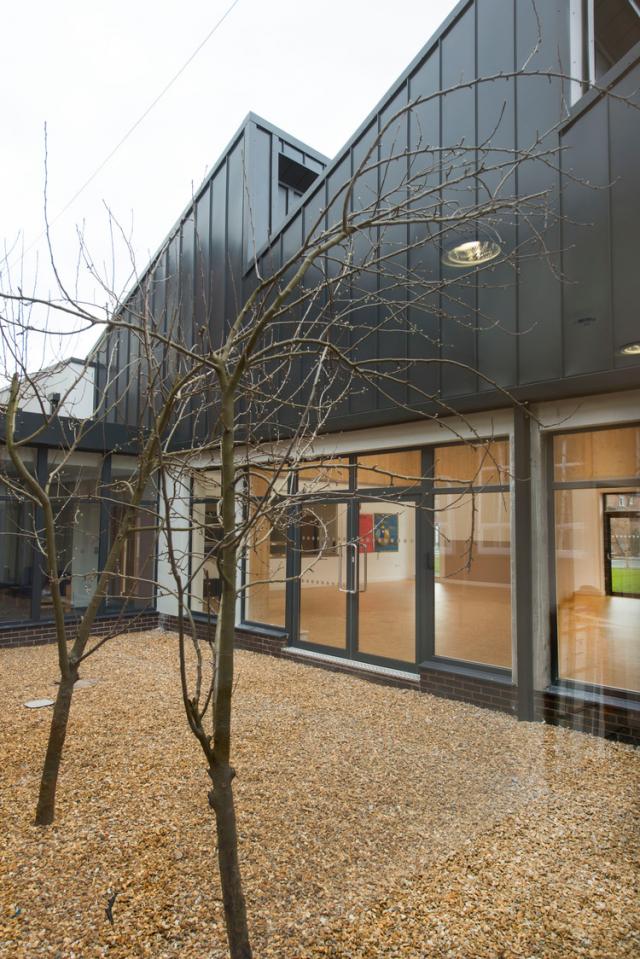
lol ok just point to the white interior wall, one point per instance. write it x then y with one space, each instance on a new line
387 567
579 543
179 506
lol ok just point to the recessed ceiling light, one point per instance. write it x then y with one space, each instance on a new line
631 349
472 253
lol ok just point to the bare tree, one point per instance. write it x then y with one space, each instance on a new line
51 496
298 345
256 402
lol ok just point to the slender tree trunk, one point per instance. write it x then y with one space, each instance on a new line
235 913
220 770
45 810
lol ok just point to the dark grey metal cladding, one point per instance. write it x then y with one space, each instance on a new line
587 320
423 313
519 328
392 338
516 326
458 123
496 112
364 318
194 283
539 106
624 199
601 296
480 38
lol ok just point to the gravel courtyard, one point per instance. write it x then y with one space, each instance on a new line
375 822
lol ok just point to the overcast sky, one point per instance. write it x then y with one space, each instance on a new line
90 70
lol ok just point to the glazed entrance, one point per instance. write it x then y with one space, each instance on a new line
357 578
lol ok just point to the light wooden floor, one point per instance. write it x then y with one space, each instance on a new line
599 635
472 623
599 640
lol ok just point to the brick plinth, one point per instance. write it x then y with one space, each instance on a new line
479 691
39 634
599 716
255 641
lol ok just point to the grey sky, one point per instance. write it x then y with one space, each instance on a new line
91 69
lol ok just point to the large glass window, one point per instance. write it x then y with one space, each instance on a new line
616 28
324 574
601 33
16 543
472 464
324 475
390 469
473 577
75 493
601 454
132 583
597 556
206 533
265 556
472 555
387 580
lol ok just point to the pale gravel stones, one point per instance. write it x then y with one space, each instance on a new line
375 822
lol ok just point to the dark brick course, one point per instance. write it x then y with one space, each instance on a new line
479 691
598 716
39 634
253 640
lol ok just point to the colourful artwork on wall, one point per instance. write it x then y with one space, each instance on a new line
366 539
386 532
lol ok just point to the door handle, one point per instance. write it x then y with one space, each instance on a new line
356 567
341 585
366 570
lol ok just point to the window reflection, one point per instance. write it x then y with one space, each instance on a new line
477 464
131 585
597 558
473 577
390 469
76 493
600 454
16 556
265 555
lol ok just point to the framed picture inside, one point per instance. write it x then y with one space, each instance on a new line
385 532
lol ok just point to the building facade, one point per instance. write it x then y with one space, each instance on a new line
474 532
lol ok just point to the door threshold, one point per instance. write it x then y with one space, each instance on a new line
297 651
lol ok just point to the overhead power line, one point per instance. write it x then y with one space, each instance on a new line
134 126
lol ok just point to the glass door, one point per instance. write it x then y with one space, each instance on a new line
327 561
386 580
622 549
357 579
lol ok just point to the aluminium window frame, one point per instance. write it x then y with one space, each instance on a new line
431 658
423 494
582 45
107 610
553 486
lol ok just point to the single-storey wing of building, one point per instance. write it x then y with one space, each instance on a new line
464 516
